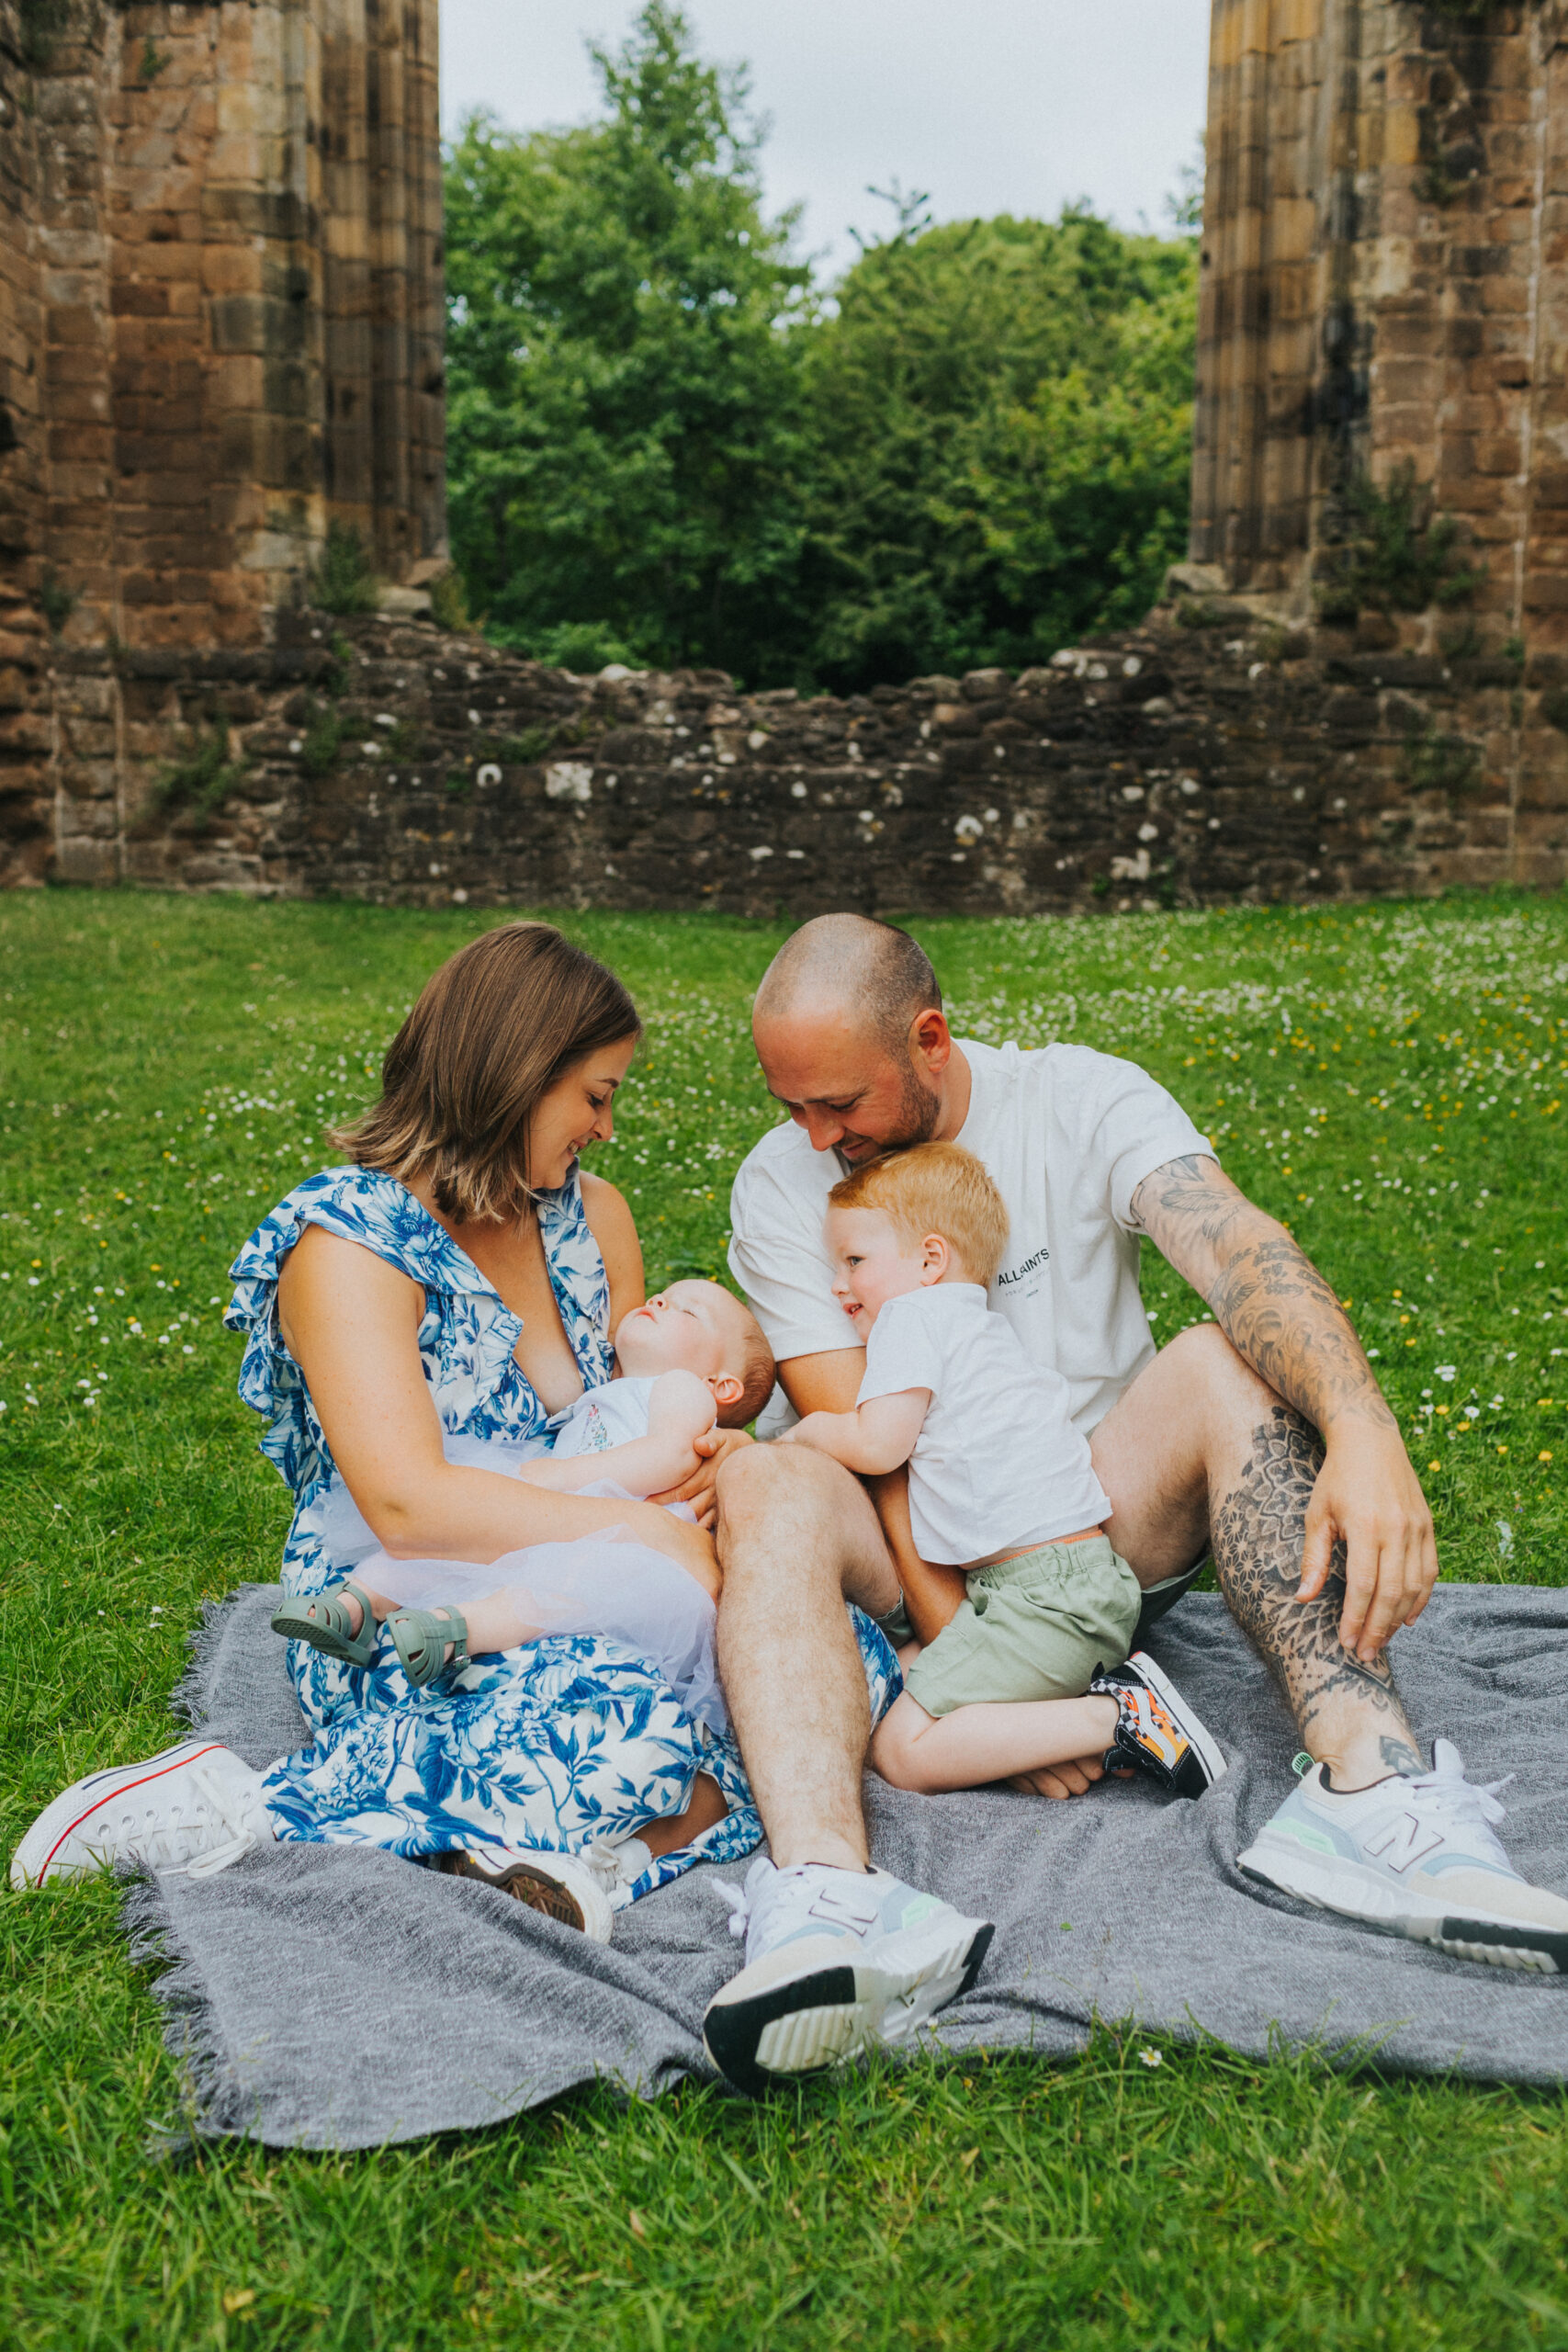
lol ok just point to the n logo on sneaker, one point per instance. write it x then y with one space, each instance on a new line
1403 1841
849 1912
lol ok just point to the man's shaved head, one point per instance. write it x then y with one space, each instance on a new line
870 973
849 1032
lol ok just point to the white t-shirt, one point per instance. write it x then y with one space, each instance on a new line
1069 1134
998 1462
602 1417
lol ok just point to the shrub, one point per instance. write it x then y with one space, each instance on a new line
449 601
322 740
1395 555
44 24
1436 762
344 581
58 601
198 784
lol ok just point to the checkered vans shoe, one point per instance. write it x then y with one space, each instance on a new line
1157 1731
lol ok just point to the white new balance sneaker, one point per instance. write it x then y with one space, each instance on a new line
1415 1857
835 1960
189 1812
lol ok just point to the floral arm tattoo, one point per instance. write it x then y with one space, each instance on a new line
1266 1294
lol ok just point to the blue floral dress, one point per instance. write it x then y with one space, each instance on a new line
552 1745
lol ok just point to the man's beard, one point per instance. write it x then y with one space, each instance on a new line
920 1108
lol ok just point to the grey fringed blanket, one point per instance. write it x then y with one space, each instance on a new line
286 1970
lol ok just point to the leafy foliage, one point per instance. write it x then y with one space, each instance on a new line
344 581
449 601
58 601
1438 762
623 403
199 783
43 25
1001 419
322 740
1397 555
664 449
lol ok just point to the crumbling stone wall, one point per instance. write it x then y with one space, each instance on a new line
1174 765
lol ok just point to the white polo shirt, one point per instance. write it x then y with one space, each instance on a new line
1069 1134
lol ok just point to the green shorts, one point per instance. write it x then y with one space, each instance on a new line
1031 1628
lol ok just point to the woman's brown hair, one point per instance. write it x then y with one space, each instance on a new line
492 1030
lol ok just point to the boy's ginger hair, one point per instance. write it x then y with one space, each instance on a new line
934 1188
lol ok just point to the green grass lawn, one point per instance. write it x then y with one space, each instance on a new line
1389 1080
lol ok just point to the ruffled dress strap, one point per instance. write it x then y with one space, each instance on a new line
467 1338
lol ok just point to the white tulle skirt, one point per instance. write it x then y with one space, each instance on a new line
606 1583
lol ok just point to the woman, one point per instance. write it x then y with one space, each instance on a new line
460 1278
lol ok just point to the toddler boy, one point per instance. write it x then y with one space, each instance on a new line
1033 1669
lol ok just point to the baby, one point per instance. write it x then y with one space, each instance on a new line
1033 1669
692 1356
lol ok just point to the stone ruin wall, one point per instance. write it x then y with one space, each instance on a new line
221 318
219 328
1173 765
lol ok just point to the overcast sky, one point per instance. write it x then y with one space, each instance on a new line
991 105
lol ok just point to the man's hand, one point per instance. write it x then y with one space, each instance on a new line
1280 1314
1368 1498
700 1489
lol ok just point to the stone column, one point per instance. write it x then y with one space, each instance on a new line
1260 314
25 721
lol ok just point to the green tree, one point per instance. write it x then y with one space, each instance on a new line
1001 414
661 447
625 410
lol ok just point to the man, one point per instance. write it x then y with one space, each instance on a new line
1261 1439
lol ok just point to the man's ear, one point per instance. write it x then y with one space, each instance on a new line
930 1040
727 1389
935 1259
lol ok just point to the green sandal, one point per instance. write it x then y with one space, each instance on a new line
420 1637
328 1631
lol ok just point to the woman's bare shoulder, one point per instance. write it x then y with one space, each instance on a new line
325 1264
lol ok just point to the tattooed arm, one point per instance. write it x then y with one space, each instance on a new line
1278 1313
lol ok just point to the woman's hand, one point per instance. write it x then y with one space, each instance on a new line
700 1489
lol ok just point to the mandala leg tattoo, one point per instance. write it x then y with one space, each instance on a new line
1259 1531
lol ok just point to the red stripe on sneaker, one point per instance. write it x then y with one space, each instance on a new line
147 1778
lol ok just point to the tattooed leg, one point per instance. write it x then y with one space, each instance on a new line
1348 1712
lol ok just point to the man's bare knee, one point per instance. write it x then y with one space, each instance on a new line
762 1485
1222 1386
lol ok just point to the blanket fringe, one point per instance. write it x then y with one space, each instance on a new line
190 1701
213 2105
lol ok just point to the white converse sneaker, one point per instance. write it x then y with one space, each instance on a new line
835 1960
1413 1858
189 1812
563 1886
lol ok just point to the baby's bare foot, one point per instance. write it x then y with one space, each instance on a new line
356 1613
